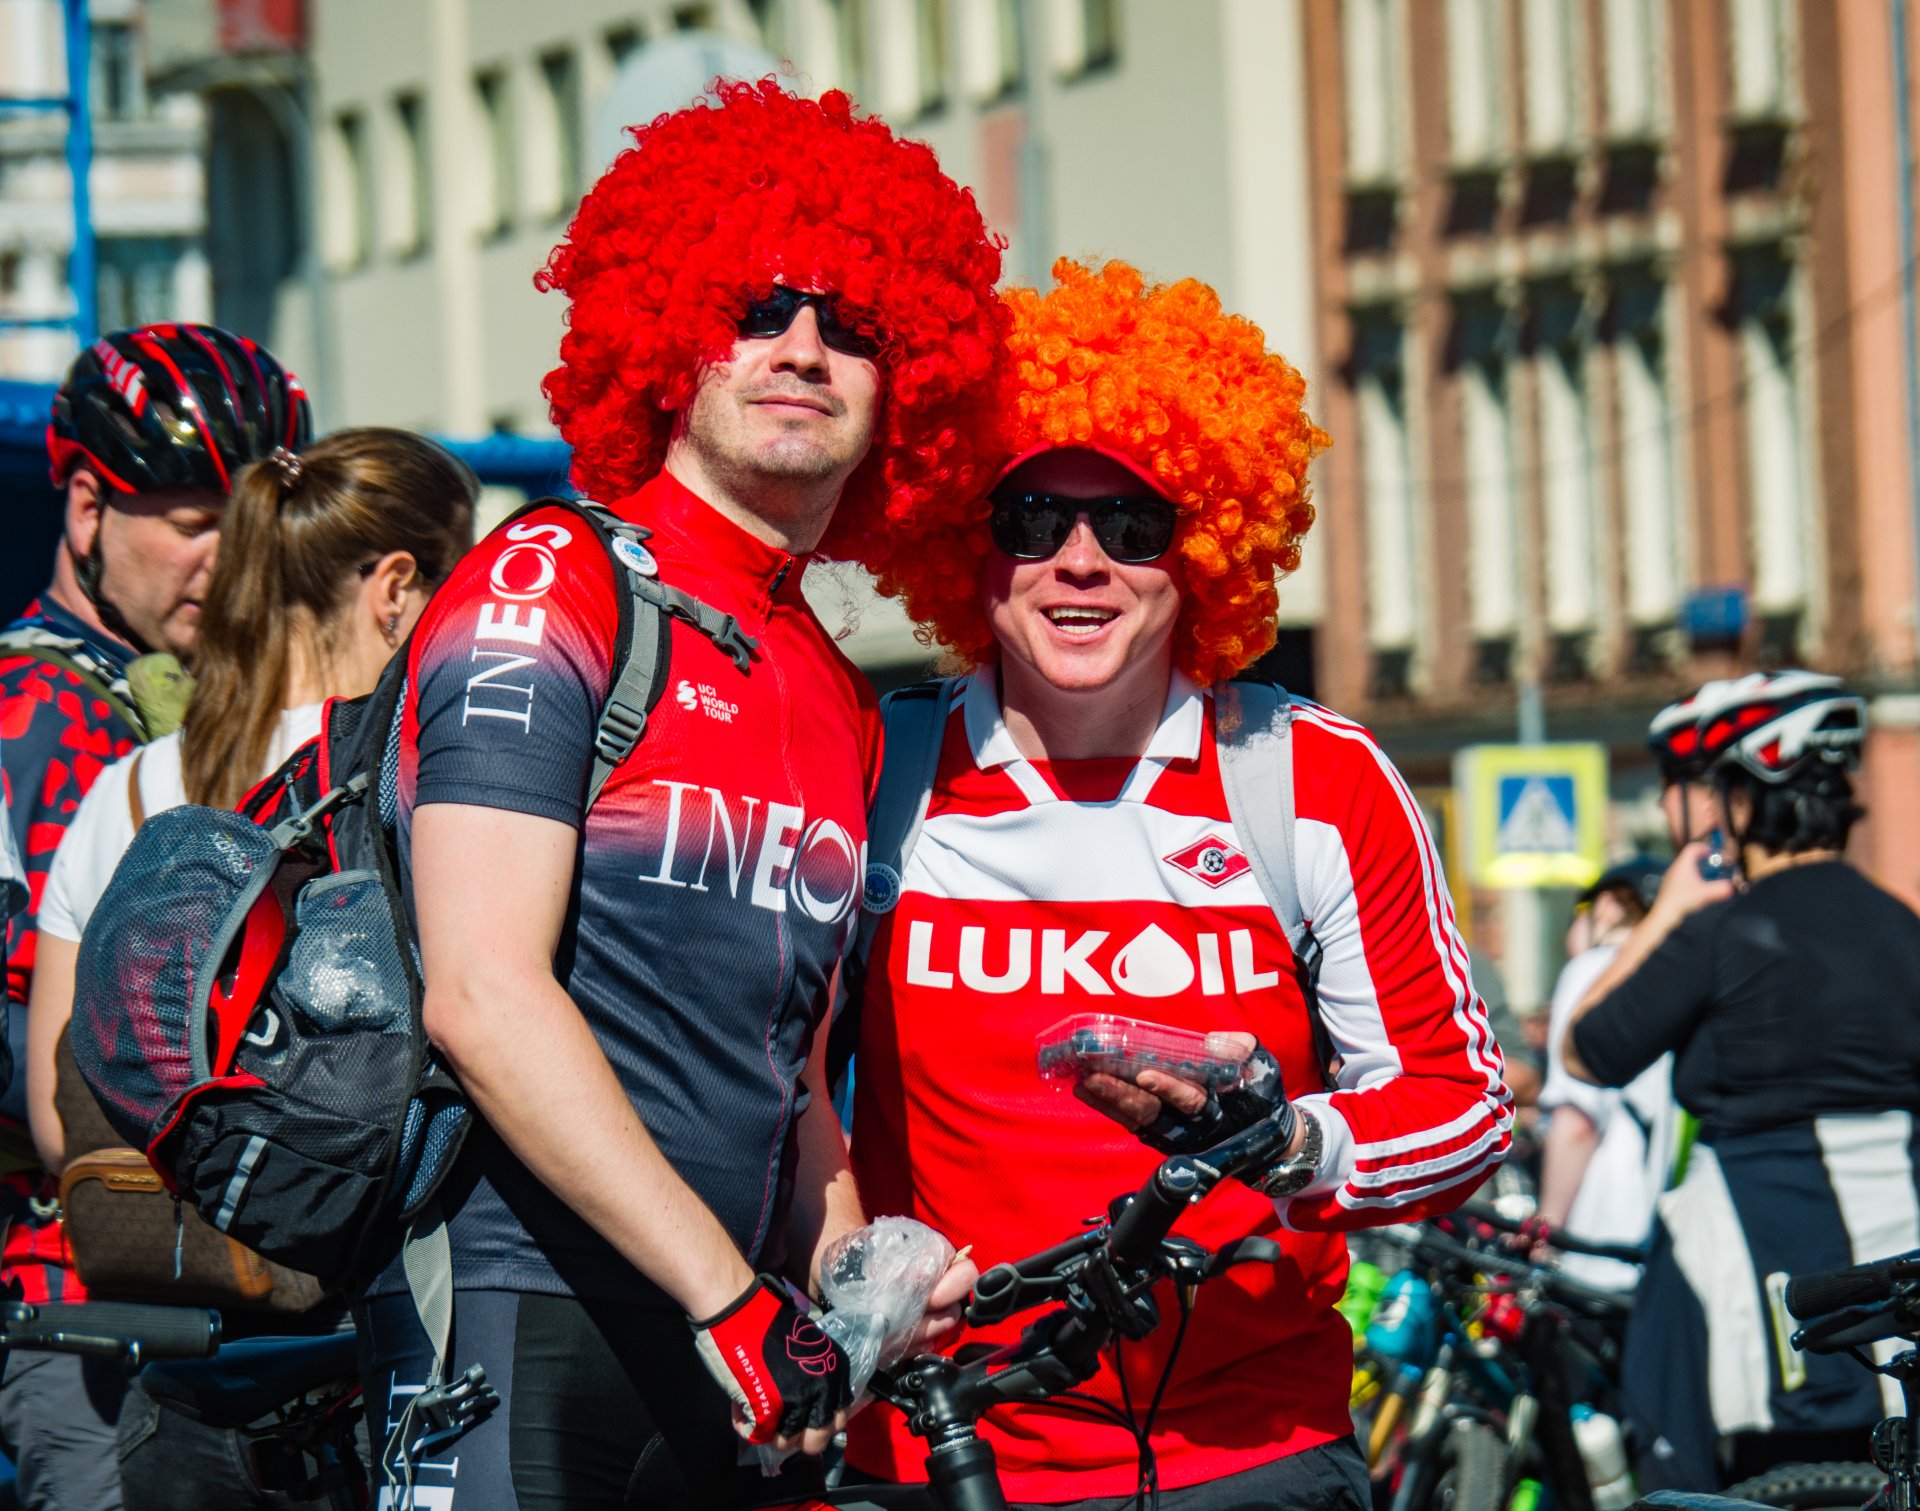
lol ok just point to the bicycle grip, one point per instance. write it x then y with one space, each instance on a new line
115 1329
1813 1296
1151 1212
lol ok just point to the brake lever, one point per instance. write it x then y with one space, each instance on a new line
1850 1327
1240 1251
1023 1284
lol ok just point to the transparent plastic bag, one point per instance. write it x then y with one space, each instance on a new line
876 1281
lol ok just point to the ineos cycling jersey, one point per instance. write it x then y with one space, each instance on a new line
719 872
1038 890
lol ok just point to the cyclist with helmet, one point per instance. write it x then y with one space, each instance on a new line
148 431
1698 874
1791 1006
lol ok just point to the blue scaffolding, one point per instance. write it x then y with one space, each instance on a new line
77 105
29 506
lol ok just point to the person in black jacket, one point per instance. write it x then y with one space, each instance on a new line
1789 995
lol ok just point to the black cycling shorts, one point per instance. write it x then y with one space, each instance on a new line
602 1407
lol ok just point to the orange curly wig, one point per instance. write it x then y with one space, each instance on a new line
708 210
1164 377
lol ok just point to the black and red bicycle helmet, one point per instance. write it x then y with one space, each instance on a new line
174 406
1779 726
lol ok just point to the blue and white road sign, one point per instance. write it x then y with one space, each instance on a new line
1534 815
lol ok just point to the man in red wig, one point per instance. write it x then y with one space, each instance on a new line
780 318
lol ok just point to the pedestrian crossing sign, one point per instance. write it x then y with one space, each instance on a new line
1535 815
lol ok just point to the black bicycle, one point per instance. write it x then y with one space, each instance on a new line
294 1401
1845 1311
130 1334
1100 1286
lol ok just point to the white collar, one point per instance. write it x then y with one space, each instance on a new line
1177 738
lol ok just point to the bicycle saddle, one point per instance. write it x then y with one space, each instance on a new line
247 1379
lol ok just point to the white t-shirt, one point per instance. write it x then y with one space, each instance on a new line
1636 1127
102 828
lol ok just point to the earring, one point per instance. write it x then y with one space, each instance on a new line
393 628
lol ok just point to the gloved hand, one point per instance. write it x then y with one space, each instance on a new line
1223 1114
784 1374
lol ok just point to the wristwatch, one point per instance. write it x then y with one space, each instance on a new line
1297 1172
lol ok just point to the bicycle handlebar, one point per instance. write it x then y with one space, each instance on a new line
1589 1299
1567 1243
1103 1276
1813 1296
111 1330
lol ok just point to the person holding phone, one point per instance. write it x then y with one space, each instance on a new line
1790 1001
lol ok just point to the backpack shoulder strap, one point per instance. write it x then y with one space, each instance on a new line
136 805
643 641
1254 734
56 650
914 719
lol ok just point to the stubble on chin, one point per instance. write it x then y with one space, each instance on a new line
796 459
738 444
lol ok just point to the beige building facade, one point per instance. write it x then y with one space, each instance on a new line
454 137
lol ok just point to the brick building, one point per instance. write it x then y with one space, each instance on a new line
1610 315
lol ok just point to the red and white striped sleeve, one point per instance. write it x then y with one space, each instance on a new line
1422 1113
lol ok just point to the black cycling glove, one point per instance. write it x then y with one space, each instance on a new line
783 1373
1226 1113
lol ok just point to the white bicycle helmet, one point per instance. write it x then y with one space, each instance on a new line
1780 725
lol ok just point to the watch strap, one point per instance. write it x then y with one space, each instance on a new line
1297 1172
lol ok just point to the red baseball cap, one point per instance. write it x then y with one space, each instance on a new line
1116 457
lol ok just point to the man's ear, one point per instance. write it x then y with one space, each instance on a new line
86 498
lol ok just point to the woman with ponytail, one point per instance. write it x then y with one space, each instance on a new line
326 560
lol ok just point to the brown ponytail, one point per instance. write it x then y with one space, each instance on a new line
297 530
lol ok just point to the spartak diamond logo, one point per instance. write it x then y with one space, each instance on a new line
1211 860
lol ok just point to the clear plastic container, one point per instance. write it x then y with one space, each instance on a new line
1108 1044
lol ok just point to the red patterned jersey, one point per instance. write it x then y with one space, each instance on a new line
1039 890
55 737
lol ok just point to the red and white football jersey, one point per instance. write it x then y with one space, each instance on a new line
1038 890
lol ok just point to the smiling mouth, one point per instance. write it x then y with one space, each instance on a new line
1080 621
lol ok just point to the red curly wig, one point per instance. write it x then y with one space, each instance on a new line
710 208
1164 377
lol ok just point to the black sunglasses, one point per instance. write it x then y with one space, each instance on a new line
766 318
1131 528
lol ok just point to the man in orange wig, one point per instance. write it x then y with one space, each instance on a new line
781 320
1087 843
